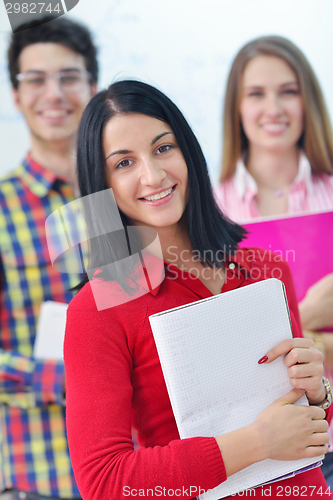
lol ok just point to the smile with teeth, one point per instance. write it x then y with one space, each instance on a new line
159 196
274 127
54 113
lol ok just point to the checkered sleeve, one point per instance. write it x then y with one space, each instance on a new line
25 382
48 382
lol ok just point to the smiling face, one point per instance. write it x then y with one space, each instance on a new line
53 115
146 170
271 107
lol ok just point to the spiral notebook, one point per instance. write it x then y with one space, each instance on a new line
209 352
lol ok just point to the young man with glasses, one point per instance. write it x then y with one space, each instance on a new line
53 70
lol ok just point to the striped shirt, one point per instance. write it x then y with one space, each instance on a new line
34 453
308 192
236 198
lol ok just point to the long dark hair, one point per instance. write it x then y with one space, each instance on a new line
210 232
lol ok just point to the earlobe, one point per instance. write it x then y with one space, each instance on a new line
93 89
17 100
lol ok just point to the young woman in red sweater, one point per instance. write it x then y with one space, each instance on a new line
134 140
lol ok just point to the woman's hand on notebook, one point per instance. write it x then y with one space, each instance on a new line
291 432
283 431
305 366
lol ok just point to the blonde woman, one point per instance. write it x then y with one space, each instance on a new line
278 153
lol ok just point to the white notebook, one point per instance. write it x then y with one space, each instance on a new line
209 352
50 333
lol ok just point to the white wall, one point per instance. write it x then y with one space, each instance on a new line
184 47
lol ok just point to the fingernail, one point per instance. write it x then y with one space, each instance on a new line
263 360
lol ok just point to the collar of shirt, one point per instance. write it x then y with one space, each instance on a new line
38 179
244 183
156 275
237 268
304 175
247 187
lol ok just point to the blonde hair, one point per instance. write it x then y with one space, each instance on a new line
316 139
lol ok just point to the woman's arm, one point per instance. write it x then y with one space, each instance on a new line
316 309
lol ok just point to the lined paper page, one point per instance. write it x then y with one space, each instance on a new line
209 352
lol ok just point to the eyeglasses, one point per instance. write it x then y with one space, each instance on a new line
69 80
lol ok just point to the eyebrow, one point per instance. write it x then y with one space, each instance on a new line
127 151
42 72
252 87
159 137
289 83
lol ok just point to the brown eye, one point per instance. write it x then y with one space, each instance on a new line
164 148
290 92
124 164
256 94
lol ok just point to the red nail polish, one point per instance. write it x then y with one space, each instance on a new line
263 360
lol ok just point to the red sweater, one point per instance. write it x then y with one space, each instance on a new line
115 381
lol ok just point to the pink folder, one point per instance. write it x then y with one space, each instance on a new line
304 241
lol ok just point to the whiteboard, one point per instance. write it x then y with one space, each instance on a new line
185 48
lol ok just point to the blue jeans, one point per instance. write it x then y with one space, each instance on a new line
327 469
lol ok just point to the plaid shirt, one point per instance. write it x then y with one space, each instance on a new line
34 453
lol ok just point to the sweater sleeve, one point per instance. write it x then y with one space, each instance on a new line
99 367
26 382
